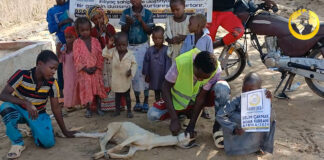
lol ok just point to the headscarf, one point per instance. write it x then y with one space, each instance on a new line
71 30
95 10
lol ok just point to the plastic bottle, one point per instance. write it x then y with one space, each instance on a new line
294 87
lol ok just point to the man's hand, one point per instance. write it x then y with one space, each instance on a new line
147 79
129 20
238 131
138 16
32 111
269 4
129 73
69 134
175 127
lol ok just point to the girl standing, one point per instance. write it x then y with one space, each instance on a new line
89 64
69 72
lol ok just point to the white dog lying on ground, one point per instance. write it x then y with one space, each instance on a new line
137 138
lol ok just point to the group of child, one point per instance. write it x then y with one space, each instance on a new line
100 66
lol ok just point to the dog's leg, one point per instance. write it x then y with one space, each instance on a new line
131 152
113 129
125 143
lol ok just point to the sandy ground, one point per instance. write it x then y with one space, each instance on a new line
299 132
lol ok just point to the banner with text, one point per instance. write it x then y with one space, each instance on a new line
160 8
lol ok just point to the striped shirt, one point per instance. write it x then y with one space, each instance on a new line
24 84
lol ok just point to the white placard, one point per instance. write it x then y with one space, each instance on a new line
160 8
255 111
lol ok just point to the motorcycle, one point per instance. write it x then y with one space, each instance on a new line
283 52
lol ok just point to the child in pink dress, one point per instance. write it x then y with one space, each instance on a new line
88 62
69 73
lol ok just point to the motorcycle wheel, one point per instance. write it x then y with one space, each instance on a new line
235 64
315 85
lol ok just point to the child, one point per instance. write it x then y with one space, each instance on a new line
24 101
137 21
156 62
102 30
199 37
123 70
88 62
69 73
176 27
58 19
236 141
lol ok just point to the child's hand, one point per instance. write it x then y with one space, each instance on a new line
147 79
93 69
138 16
268 94
238 131
129 73
129 20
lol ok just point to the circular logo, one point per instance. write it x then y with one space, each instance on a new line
303 24
254 100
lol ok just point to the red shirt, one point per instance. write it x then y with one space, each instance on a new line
103 39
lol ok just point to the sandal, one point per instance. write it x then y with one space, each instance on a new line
137 107
145 108
88 114
218 139
130 115
15 151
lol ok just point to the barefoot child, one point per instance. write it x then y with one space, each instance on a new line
176 27
88 62
137 21
236 141
199 39
69 73
156 62
123 70
24 101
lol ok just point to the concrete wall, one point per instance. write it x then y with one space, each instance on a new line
24 58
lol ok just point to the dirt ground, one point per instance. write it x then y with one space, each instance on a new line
300 125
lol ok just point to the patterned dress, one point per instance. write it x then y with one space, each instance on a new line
88 85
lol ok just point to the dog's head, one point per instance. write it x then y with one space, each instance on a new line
184 141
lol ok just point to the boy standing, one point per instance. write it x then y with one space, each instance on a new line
137 21
25 97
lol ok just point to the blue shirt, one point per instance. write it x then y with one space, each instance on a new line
205 43
55 15
136 34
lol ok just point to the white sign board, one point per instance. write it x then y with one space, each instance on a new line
255 111
160 8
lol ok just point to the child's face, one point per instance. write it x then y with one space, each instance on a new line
136 3
251 86
193 25
60 2
178 9
48 69
69 38
121 45
158 38
98 20
84 29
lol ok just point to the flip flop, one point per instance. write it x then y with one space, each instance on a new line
88 114
15 151
218 139
137 107
130 115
